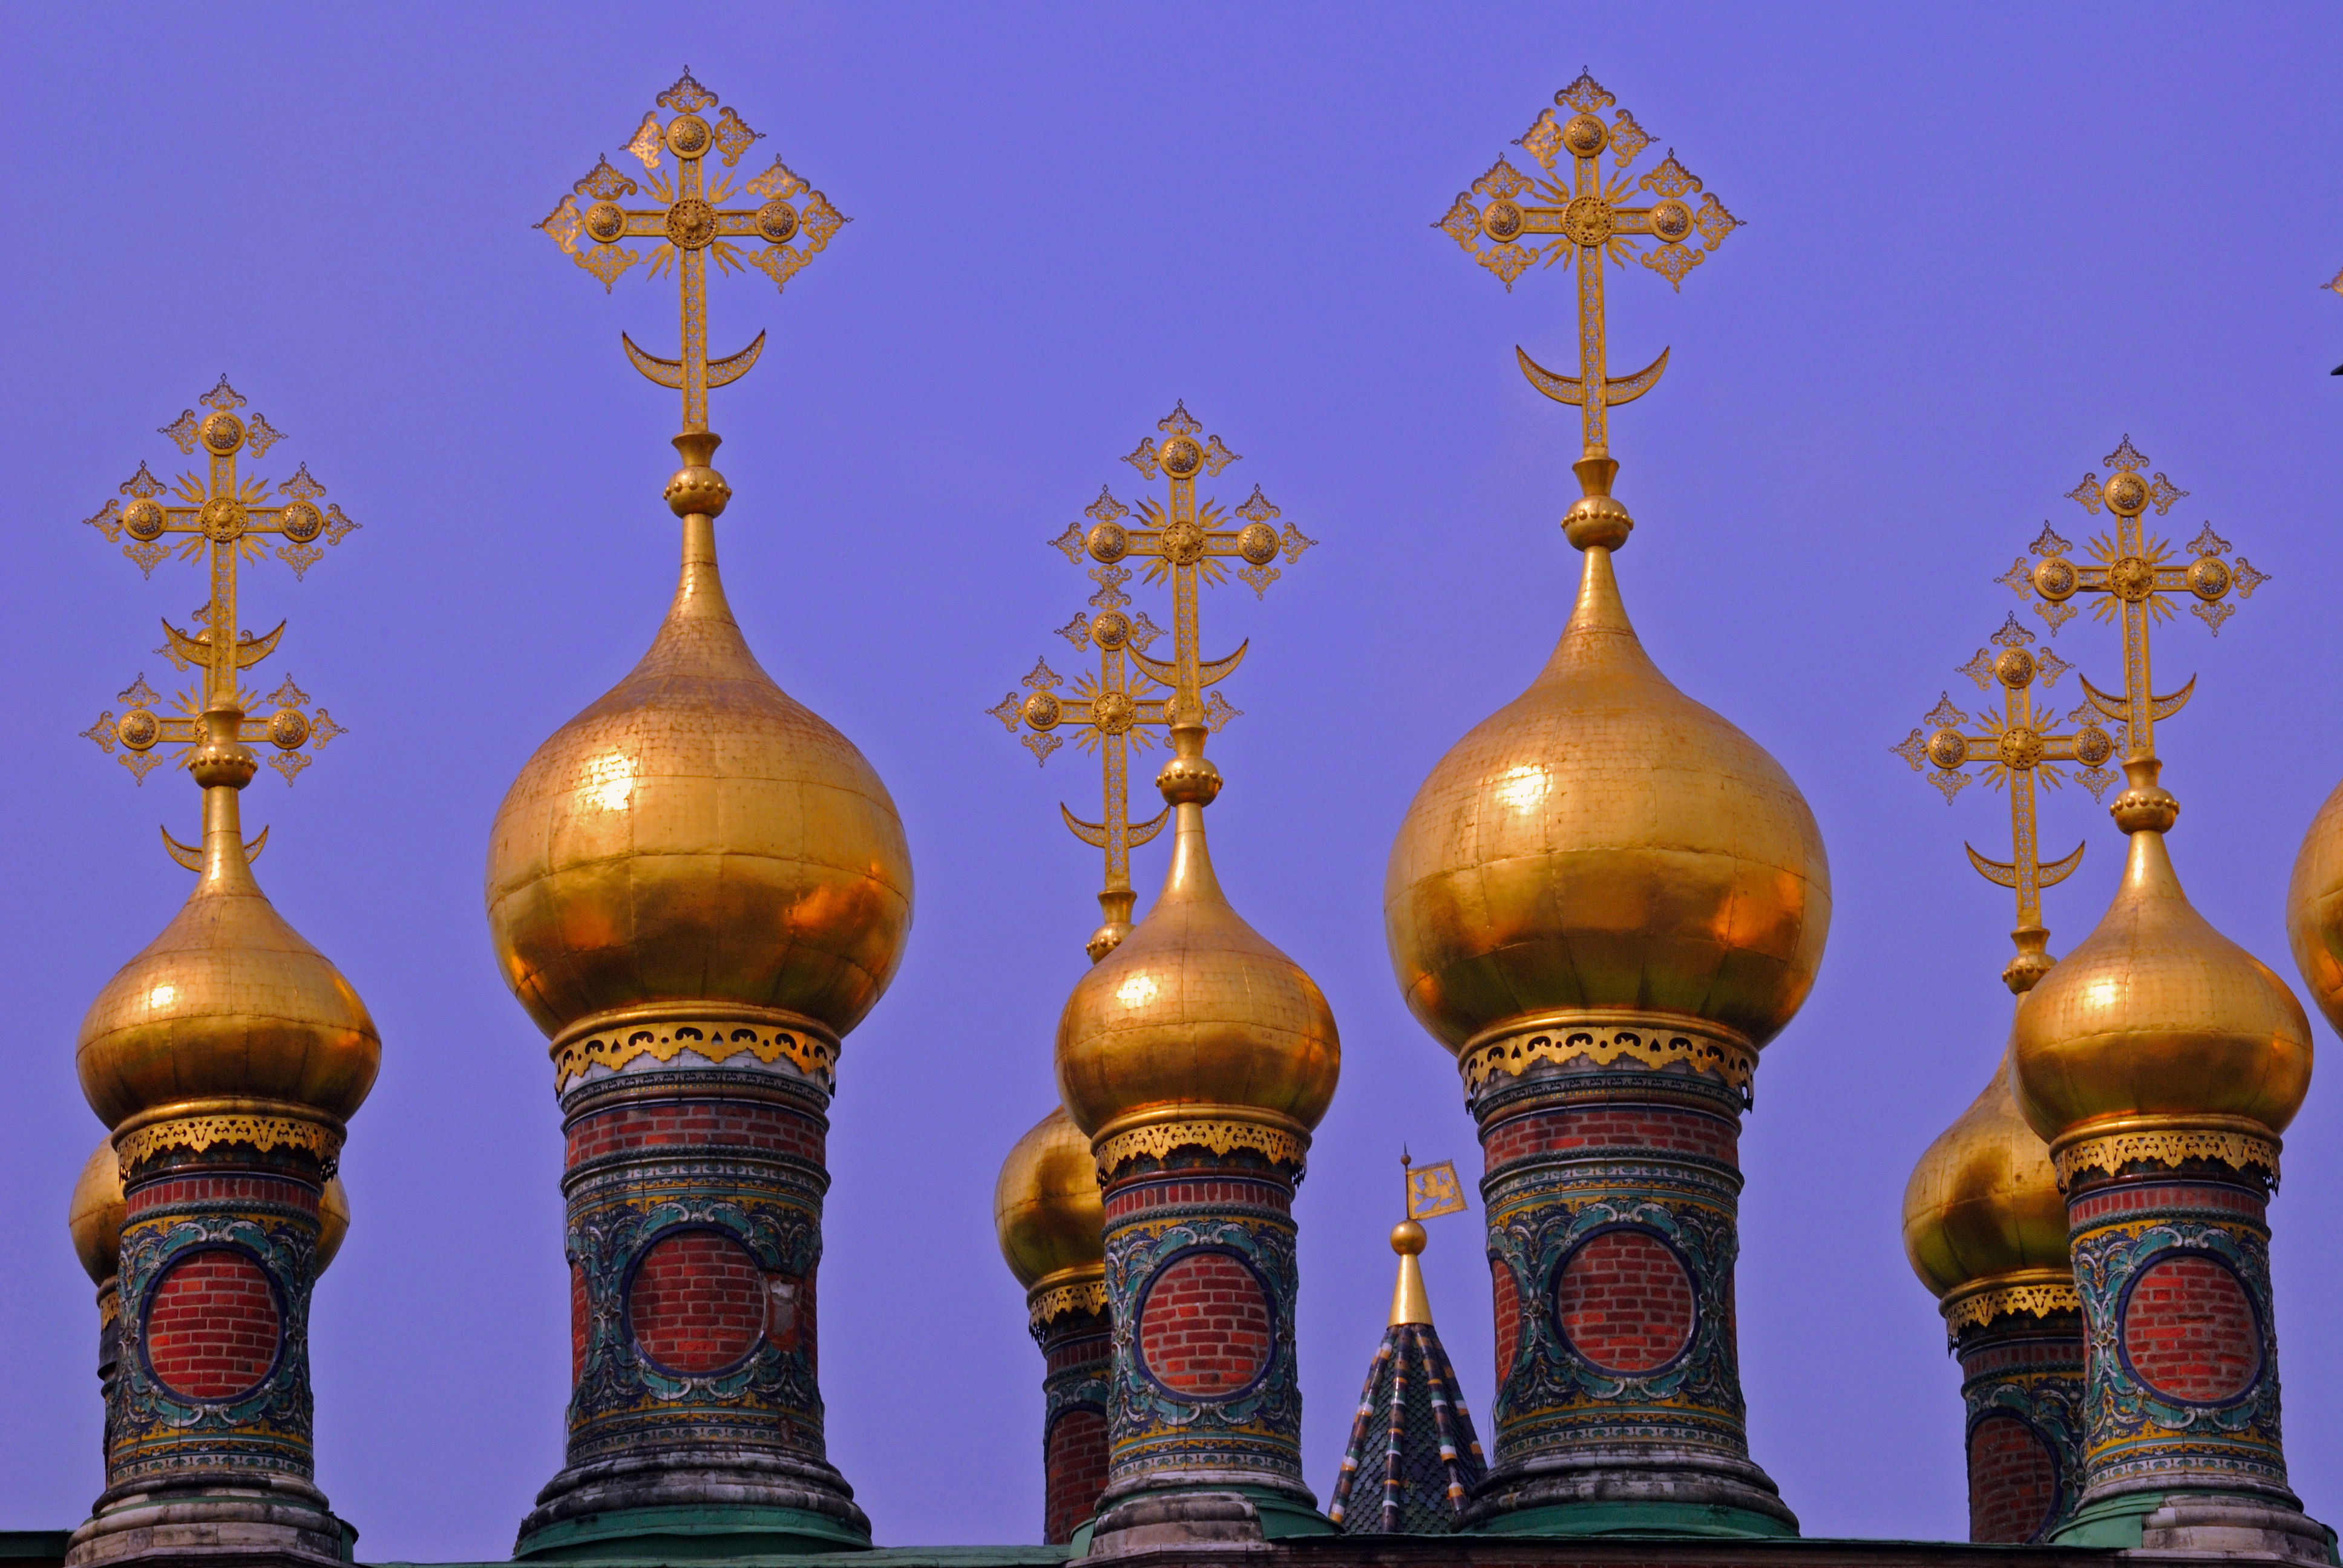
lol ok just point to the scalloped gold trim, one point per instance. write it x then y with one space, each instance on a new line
2112 1151
200 1132
1221 1137
2040 1298
1654 1040
1082 1296
717 1039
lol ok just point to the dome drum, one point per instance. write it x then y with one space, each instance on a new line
1602 1042
687 1037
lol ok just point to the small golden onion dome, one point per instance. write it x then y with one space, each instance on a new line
697 836
1194 1009
1983 1201
2314 909
1046 1208
2157 1017
1605 841
94 1214
229 1004
333 1221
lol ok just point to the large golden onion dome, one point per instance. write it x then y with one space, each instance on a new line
229 1004
1984 1204
2157 1019
1046 1206
1195 1013
2314 909
94 1215
697 836
1604 842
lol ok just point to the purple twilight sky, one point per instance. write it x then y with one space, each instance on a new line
1983 244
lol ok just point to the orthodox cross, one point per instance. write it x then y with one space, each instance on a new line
691 223
225 518
2014 747
1586 211
2136 578
1110 714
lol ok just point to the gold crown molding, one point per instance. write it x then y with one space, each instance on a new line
1162 1132
716 1034
2111 1151
1054 1302
1657 1041
201 1132
1981 1305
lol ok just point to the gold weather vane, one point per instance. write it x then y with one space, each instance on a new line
691 224
2133 574
2015 747
225 517
1186 543
1431 1192
1588 215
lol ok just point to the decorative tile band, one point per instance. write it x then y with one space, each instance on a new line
201 1132
1078 1296
2170 1146
1657 1040
612 1043
1975 1308
1218 1135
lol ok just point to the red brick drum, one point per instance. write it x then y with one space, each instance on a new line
698 1303
1624 1303
1204 1331
2013 1482
213 1326
2189 1334
1075 1459
1508 1301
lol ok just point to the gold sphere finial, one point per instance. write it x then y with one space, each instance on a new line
1596 520
2026 970
695 489
1407 1239
1188 776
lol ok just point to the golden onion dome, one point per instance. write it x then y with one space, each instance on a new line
333 1221
1603 841
1195 1009
1983 1201
698 836
94 1215
228 1003
2314 909
1046 1208
2158 1018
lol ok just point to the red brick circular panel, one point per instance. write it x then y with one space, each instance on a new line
1204 1328
2189 1330
2013 1482
1509 1317
1624 1301
697 1302
213 1326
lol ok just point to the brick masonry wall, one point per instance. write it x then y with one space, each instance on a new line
698 1302
1587 1128
1204 1329
633 1126
1218 1192
213 1326
2188 1331
1075 1460
2013 1482
1624 1301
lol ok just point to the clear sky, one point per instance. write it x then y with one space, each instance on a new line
1983 244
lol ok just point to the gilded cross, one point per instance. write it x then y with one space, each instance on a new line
2136 578
2013 746
1589 214
1185 542
223 517
791 223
